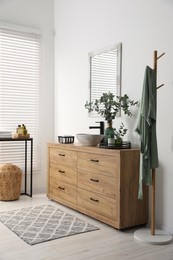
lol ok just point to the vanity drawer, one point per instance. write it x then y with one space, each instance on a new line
98 183
63 174
63 191
63 157
97 163
93 201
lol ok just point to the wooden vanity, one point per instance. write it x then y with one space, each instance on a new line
101 183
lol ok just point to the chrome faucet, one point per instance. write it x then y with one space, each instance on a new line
101 127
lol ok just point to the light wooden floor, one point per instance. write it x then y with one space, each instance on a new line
104 244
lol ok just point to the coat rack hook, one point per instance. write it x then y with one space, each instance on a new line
161 55
160 86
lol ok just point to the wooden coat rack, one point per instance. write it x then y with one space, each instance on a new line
152 236
154 170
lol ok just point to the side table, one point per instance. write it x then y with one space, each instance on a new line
26 141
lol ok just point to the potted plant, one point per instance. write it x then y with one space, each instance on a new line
119 133
109 107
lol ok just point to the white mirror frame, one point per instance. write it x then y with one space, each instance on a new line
103 80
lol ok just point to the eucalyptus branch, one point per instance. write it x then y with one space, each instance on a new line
119 133
108 106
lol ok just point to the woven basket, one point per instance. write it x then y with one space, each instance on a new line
10 181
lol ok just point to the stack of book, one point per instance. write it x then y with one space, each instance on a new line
5 134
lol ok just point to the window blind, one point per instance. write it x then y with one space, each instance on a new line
20 70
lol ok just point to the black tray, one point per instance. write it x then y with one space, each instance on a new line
124 145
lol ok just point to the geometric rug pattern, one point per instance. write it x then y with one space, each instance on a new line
43 223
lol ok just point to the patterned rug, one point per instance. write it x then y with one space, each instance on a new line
43 223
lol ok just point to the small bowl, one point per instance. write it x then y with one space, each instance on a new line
66 139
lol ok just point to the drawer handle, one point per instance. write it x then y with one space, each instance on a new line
94 160
94 200
61 171
94 180
61 188
61 154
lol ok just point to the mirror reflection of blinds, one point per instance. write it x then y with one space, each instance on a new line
104 74
19 91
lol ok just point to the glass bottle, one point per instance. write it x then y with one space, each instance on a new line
109 134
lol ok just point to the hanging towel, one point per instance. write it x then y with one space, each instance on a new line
146 128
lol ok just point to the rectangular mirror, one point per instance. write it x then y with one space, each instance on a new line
105 72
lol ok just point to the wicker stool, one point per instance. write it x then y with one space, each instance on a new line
10 181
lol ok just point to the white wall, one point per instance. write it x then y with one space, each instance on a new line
142 27
38 14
